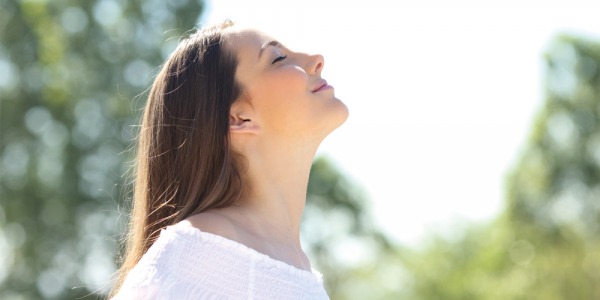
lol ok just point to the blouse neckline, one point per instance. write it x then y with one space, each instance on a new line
218 239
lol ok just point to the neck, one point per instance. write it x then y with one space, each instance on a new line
277 179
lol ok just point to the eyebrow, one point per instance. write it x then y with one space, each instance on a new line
267 44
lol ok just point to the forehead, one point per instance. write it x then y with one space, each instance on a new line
246 42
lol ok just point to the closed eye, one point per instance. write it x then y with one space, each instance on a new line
279 59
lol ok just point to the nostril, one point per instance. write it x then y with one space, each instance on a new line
315 63
320 63
319 66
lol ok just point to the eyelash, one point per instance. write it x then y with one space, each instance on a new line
279 59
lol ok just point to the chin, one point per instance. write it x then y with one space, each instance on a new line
338 115
342 112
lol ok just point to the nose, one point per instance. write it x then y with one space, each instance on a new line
316 63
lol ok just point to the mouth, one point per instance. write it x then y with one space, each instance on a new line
322 84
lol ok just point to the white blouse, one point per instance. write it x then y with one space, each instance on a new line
186 263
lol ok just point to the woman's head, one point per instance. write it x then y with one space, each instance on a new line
219 84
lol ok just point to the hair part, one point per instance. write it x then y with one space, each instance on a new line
184 162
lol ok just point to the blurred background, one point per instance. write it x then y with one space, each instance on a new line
469 167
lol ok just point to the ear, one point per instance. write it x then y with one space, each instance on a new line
240 124
240 119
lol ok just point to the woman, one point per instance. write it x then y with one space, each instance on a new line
228 136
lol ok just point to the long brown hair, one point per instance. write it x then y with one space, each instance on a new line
184 164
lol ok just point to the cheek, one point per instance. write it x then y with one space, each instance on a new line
282 88
281 97
288 81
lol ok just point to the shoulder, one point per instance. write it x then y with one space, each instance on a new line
184 262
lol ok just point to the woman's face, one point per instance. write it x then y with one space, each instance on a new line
284 88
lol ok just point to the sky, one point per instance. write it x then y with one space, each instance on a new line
442 94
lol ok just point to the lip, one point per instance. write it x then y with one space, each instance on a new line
321 85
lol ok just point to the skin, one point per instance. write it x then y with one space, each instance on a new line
277 125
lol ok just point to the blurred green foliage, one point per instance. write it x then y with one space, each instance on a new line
341 240
70 73
546 243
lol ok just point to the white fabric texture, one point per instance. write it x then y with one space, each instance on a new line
186 263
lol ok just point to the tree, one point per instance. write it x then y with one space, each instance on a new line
553 196
545 245
341 239
68 73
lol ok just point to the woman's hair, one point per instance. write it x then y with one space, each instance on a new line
184 163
